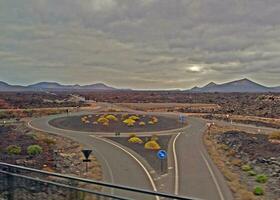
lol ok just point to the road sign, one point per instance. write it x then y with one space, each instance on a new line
161 154
86 153
182 118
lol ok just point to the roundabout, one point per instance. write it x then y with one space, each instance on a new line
117 123
126 161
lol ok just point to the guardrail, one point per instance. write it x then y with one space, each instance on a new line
17 182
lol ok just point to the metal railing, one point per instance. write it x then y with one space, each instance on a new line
22 183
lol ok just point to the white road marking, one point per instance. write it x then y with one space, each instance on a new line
176 165
103 158
138 161
213 177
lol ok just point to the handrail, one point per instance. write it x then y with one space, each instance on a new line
101 183
63 185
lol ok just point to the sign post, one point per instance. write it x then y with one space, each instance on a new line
86 153
162 155
182 119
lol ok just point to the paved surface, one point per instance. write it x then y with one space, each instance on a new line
192 173
117 166
197 175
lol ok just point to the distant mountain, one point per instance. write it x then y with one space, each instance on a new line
243 85
46 85
97 86
53 86
6 87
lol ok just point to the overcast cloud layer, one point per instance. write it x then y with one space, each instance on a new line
140 43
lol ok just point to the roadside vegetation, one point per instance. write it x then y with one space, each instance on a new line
21 146
248 162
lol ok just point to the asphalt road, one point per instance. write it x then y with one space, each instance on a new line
193 175
197 175
118 166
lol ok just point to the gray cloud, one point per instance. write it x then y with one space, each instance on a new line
140 43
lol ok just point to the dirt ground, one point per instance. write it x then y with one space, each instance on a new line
172 107
231 149
59 154
75 123
149 155
258 121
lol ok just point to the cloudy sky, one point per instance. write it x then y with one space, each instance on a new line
157 44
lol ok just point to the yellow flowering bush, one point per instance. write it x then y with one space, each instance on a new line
134 117
102 120
142 123
152 145
111 117
129 122
135 140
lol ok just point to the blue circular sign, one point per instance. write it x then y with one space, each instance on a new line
161 154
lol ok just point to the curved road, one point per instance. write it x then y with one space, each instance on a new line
192 174
118 167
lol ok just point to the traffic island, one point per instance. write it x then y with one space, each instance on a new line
148 148
112 123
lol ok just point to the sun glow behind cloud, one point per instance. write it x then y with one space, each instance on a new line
195 68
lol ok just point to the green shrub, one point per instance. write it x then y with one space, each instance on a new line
252 173
262 178
13 150
33 150
258 191
246 168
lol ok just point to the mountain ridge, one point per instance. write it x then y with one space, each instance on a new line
242 86
53 86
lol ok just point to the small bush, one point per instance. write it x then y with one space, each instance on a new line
246 168
111 117
151 122
154 119
262 178
134 117
152 145
237 162
129 122
13 150
274 136
102 120
33 150
154 138
252 173
49 141
135 140
142 123
258 191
